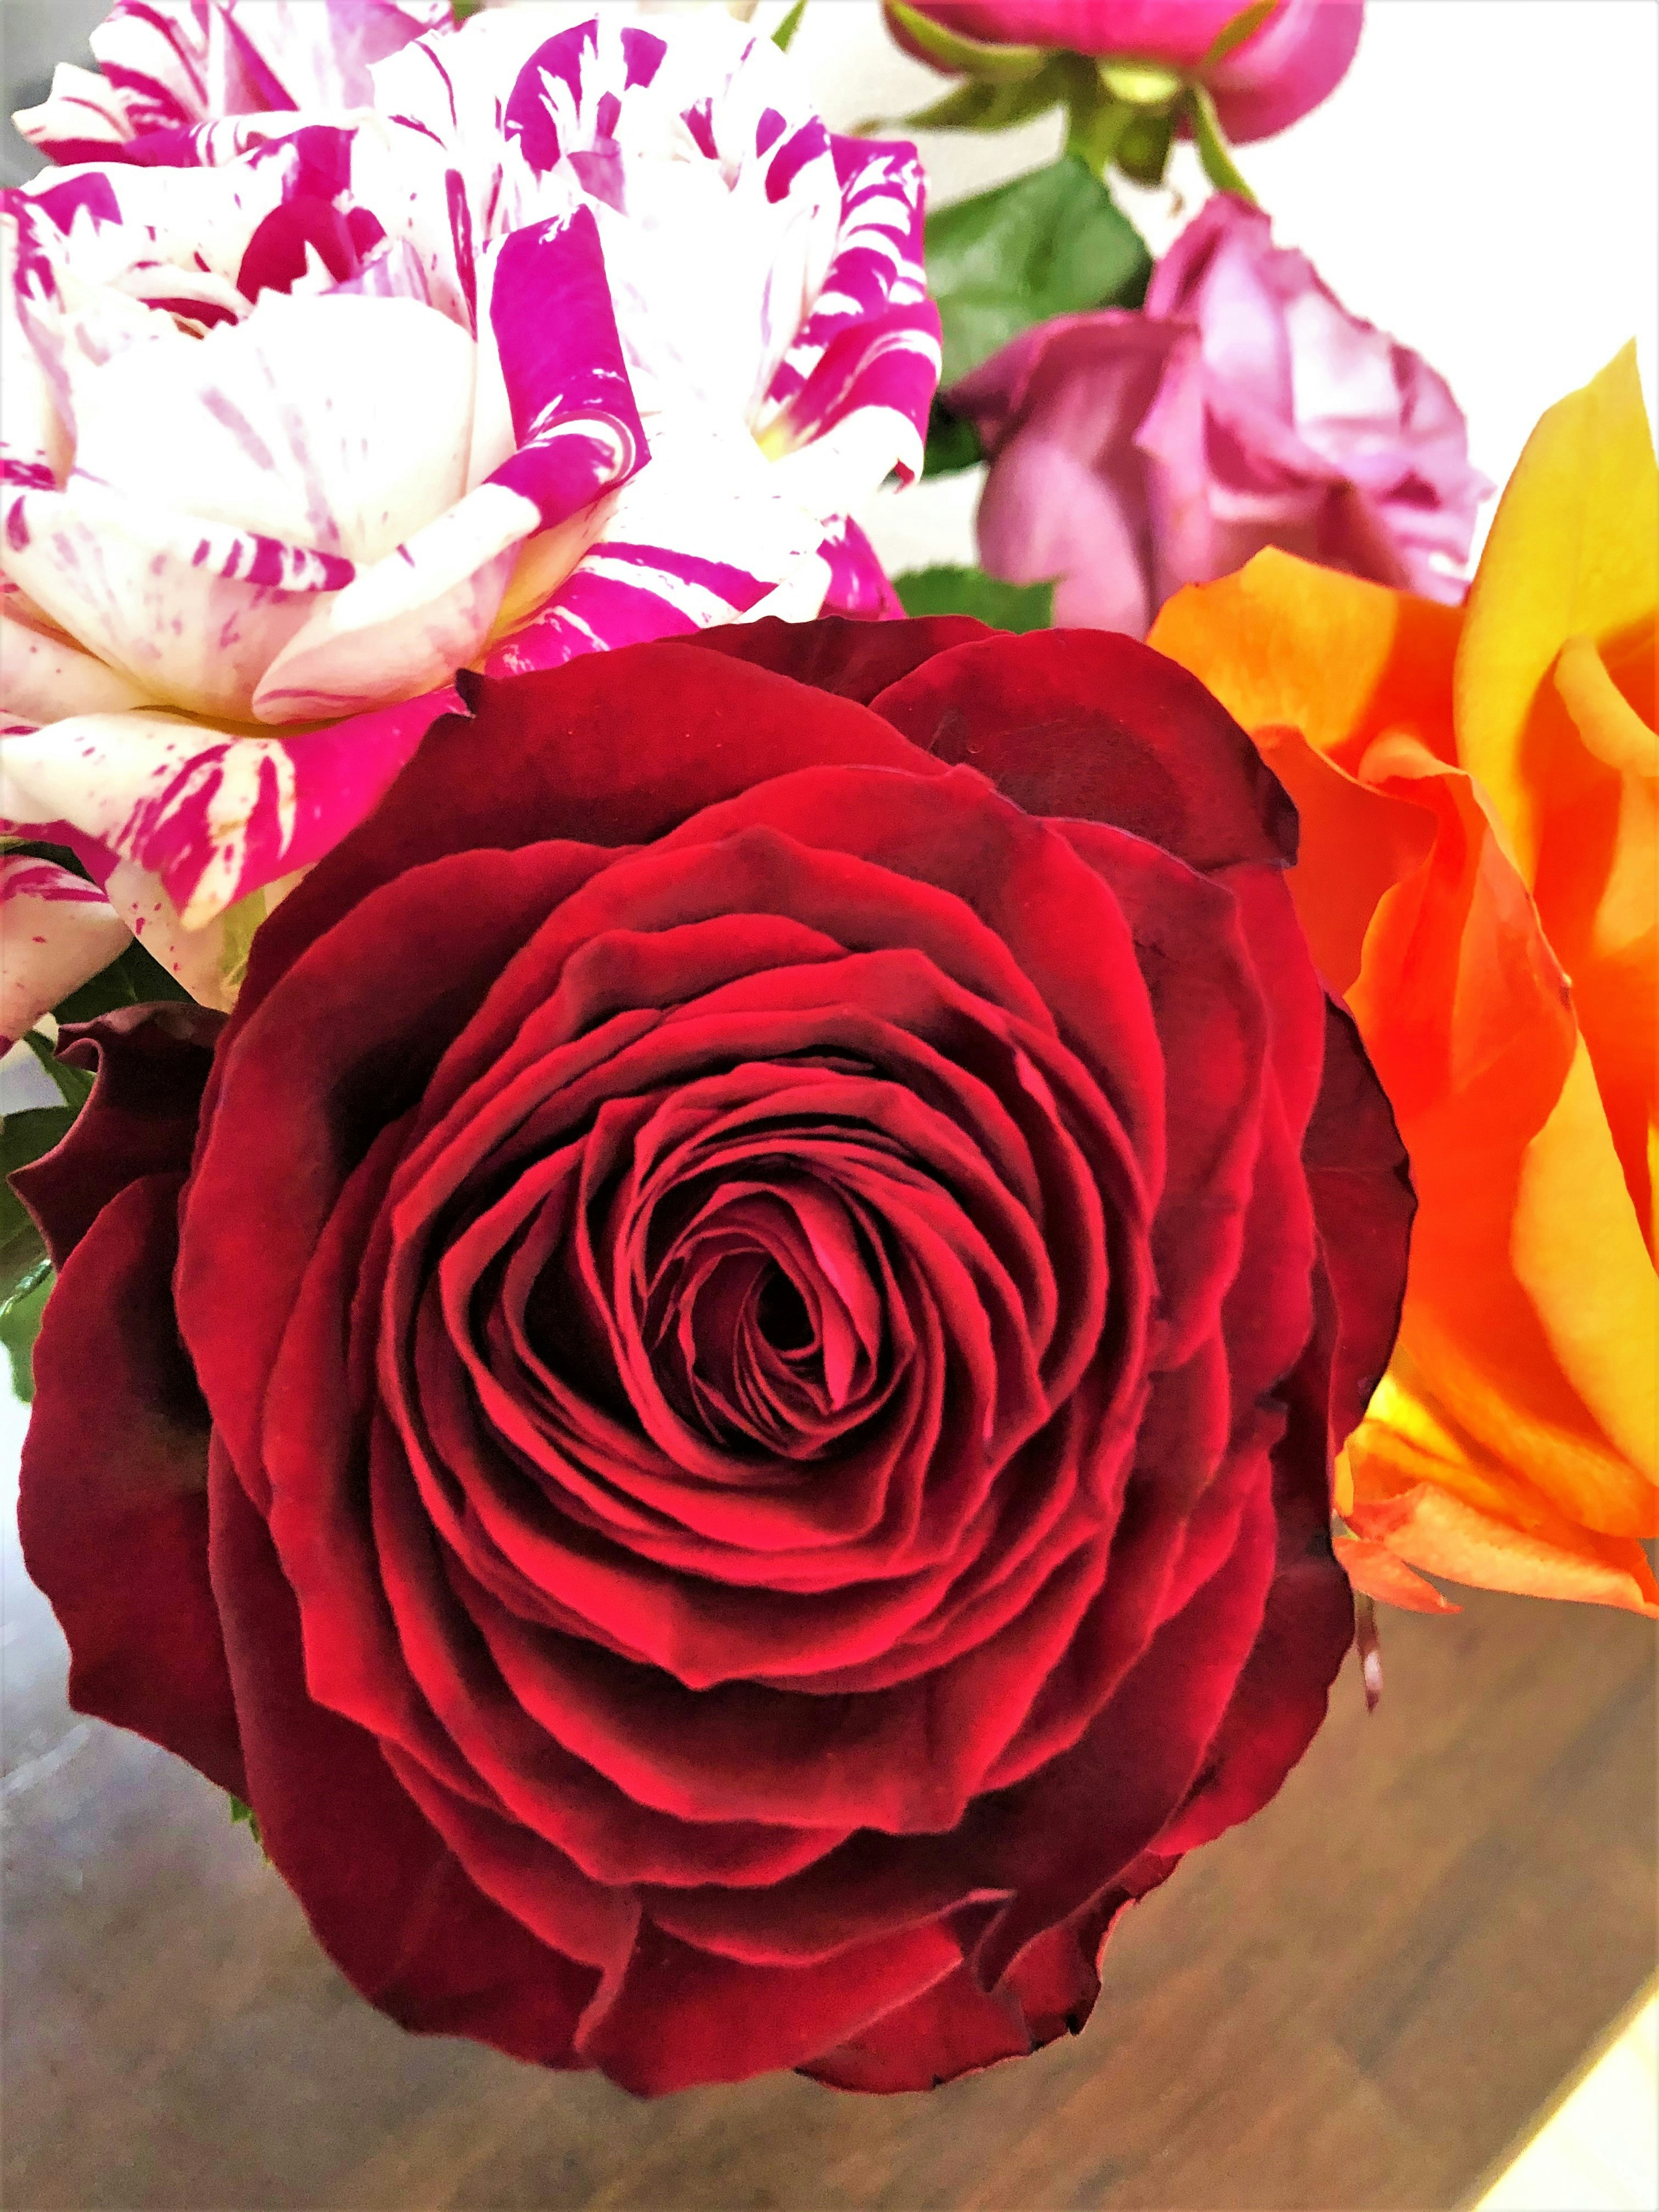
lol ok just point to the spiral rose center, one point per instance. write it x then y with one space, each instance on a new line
762 1322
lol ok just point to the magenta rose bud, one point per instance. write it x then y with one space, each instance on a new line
1294 60
716 1399
1132 454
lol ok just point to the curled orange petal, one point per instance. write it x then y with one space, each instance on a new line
1479 875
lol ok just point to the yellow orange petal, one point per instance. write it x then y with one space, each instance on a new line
1286 644
1580 1256
1356 842
1597 888
1445 1535
1381 1573
1574 552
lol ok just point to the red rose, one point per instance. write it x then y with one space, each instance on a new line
736 1453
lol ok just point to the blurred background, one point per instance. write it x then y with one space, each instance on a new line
1370 1995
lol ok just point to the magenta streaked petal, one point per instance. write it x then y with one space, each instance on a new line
408 622
858 585
192 612
193 957
170 63
700 538
551 336
45 675
57 931
871 338
212 815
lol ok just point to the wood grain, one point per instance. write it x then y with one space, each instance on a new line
1357 2001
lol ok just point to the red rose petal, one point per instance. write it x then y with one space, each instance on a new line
113 1507
1091 724
626 743
855 659
152 1063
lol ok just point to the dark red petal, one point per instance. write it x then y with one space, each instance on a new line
1090 724
614 749
1307 1624
114 1509
683 2019
300 1093
855 660
1360 1181
956 2027
1079 1821
152 1063
387 1899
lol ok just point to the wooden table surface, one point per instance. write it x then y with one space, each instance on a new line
1358 1999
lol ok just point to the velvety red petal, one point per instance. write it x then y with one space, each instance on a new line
388 1900
855 659
1359 1179
1307 1623
956 2027
1090 724
152 1063
683 2019
298 1096
613 749
114 1507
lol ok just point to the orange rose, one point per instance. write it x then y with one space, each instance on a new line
1479 876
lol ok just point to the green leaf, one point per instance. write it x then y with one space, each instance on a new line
1016 607
1243 24
953 443
134 980
973 57
1219 165
74 1084
19 1324
791 23
1053 242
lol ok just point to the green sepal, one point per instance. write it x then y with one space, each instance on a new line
1243 24
979 106
1053 242
953 444
1213 151
1018 607
1095 128
19 1324
243 1815
25 1275
972 57
1143 151
1142 85
791 23
237 925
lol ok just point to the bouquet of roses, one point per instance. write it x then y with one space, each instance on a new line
726 1284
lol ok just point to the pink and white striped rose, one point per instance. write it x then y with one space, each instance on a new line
366 351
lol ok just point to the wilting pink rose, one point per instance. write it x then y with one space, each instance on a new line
1132 454
355 357
1297 57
